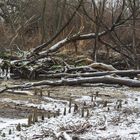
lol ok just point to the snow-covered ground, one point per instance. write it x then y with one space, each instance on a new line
118 120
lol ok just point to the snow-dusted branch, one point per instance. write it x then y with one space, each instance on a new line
78 81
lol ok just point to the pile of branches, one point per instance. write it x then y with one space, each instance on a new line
49 69
65 132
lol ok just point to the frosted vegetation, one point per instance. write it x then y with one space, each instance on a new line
103 113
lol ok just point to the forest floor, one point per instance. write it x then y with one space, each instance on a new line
112 114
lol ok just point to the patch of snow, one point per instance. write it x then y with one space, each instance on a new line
6 122
122 123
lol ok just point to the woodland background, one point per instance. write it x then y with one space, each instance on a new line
25 24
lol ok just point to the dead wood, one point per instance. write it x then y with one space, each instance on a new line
122 73
19 92
77 129
73 38
44 45
93 67
102 67
78 81
70 39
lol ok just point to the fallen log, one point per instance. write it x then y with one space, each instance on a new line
78 81
70 39
67 40
76 37
93 67
18 92
90 80
122 73
102 67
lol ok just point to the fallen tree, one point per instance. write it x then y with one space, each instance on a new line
41 63
122 73
77 81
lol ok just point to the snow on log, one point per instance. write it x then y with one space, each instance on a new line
73 38
91 80
19 92
78 81
102 67
122 73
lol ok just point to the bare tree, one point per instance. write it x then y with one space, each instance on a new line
134 9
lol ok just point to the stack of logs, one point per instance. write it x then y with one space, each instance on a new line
49 69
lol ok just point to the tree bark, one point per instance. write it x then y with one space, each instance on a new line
78 81
122 73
